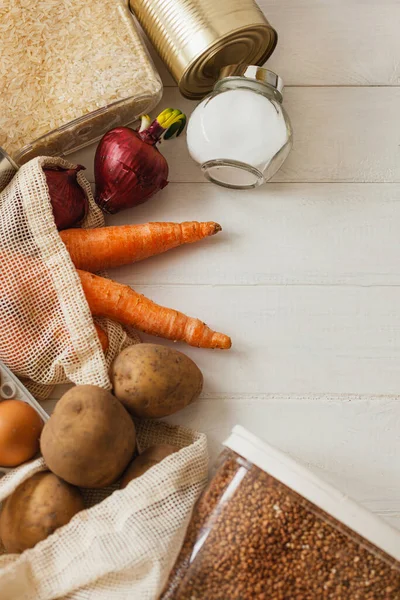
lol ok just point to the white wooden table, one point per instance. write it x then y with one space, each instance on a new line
306 274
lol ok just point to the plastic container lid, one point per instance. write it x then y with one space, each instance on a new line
321 494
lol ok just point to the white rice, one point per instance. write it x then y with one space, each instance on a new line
62 59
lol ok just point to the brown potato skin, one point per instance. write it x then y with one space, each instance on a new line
38 506
154 381
149 458
89 439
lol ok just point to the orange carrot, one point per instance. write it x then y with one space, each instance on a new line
106 247
119 302
103 337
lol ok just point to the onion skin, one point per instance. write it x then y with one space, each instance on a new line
128 170
68 200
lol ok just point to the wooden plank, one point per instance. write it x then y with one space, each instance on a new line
326 433
393 518
330 42
283 234
341 135
335 42
166 77
314 345
302 340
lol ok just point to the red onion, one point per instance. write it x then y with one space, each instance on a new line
68 200
128 167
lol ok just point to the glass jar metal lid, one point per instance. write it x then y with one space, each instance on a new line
255 74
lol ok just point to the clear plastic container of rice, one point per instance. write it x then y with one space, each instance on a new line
69 72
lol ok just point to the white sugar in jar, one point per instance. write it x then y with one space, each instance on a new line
240 134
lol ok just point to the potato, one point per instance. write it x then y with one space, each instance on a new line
150 457
39 506
89 439
154 381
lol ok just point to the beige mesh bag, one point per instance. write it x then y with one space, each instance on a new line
124 546
125 543
47 334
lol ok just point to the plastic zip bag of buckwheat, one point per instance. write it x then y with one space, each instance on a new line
126 541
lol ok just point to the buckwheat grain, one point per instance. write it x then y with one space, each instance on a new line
252 538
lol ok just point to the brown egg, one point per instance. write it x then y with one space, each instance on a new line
20 429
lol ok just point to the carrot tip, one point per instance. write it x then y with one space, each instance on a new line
221 341
217 228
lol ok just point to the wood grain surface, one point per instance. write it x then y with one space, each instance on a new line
305 275
341 134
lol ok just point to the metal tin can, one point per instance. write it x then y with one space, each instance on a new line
196 38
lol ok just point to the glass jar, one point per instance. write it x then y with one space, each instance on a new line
240 134
70 71
268 529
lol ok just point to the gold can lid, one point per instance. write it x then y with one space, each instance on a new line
250 45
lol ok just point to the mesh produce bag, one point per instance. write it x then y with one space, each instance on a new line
124 546
126 541
47 334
